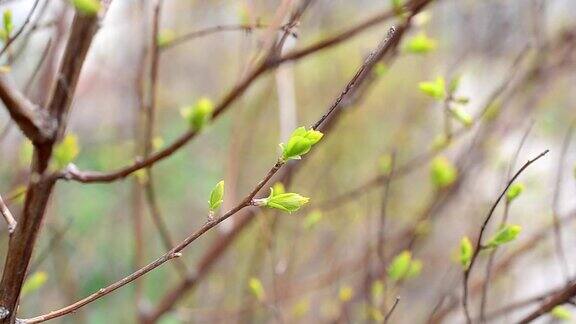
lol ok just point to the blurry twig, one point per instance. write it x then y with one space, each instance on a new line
479 245
21 29
10 221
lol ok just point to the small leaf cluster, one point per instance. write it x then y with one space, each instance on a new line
300 143
514 191
438 91
403 267
506 234
199 114
285 201
420 44
216 197
442 172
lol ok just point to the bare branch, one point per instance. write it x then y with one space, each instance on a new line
33 122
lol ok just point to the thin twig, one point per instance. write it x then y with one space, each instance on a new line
478 246
389 314
10 221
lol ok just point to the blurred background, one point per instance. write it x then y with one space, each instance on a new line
515 64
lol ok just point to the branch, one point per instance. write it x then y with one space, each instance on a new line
556 299
7 216
73 173
478 247
349 90
33 122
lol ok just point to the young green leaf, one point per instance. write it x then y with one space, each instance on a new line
312 219
400 266
8 26
87 7
300 143
216 197
257 289
506 234
377 290
420 44
278 188
460 115
198 115
442 172
34 282
286 201
380 69
514 191
66 151
466 252
561 313
435 89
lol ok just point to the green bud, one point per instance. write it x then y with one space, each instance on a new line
420 44
8 26
454 84
300 143
462 116
34 282
216 197
198 115
345 294
286 201
442 172
435 89
87 7
403 267
561 313
65 151
514 191
380 69
256 288
506 234
386 164
165 37
466 252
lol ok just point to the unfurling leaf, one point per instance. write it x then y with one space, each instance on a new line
66 151
256 288
514 191
462 116
216 197
466 252
404 267
286 201
87 7
300 143
443 173
34 282
312 219
561 313
435 89
199 115
506 234
420 44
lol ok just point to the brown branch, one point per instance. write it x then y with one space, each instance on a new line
21 244
33 122
556 299
349 90
478 246
72 173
